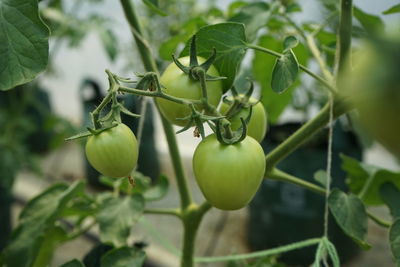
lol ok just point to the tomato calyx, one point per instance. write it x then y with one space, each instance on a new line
90 132
239 101
194 70
226 136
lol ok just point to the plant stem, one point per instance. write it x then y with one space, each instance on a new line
149 64
378 220
317 55
344 36
173 212
263 253
331 88
303 134
279 175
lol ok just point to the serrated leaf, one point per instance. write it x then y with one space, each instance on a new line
394 238
229 40
254 16
153 5
285 72
321 177
349 212
122 257
390 194
370 23
38 215
394 9
290 42
116 217
73 263
24 44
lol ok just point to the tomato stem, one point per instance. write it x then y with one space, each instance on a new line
344 36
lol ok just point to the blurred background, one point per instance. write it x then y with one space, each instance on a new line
91 36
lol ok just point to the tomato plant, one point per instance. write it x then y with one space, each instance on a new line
228 175
113 152
257 126
179 84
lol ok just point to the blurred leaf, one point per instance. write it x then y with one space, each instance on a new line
37 216
54 237
122 257
284 72
390 194
394 9
349 212
117 216
293 7
254 16
229 40
110 42
93 257
24 43
73 263
262 65
154 6
321 177
290 42
370 23
394 238
186 31
158 191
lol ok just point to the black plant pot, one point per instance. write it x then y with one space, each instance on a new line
283 213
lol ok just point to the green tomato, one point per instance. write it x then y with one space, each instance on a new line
229 175
113 152
374 87
257 126
178 84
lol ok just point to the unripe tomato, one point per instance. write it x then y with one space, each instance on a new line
113 152
257 126
374 87
178 84
229 175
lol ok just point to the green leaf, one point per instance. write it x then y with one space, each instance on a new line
158 191
290 42
370 23
154 6
230 42
109 41
349 212
262 65
117 216
285 72
254 16
38 215
24 44
122 257
54 237
390 194
394 238
73 263
394 9
321 177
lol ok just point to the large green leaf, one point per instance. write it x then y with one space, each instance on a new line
38 217
122 257
254 16
230 42
263 64
390 194
23 42
370 23
394 238
117 216
349 212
